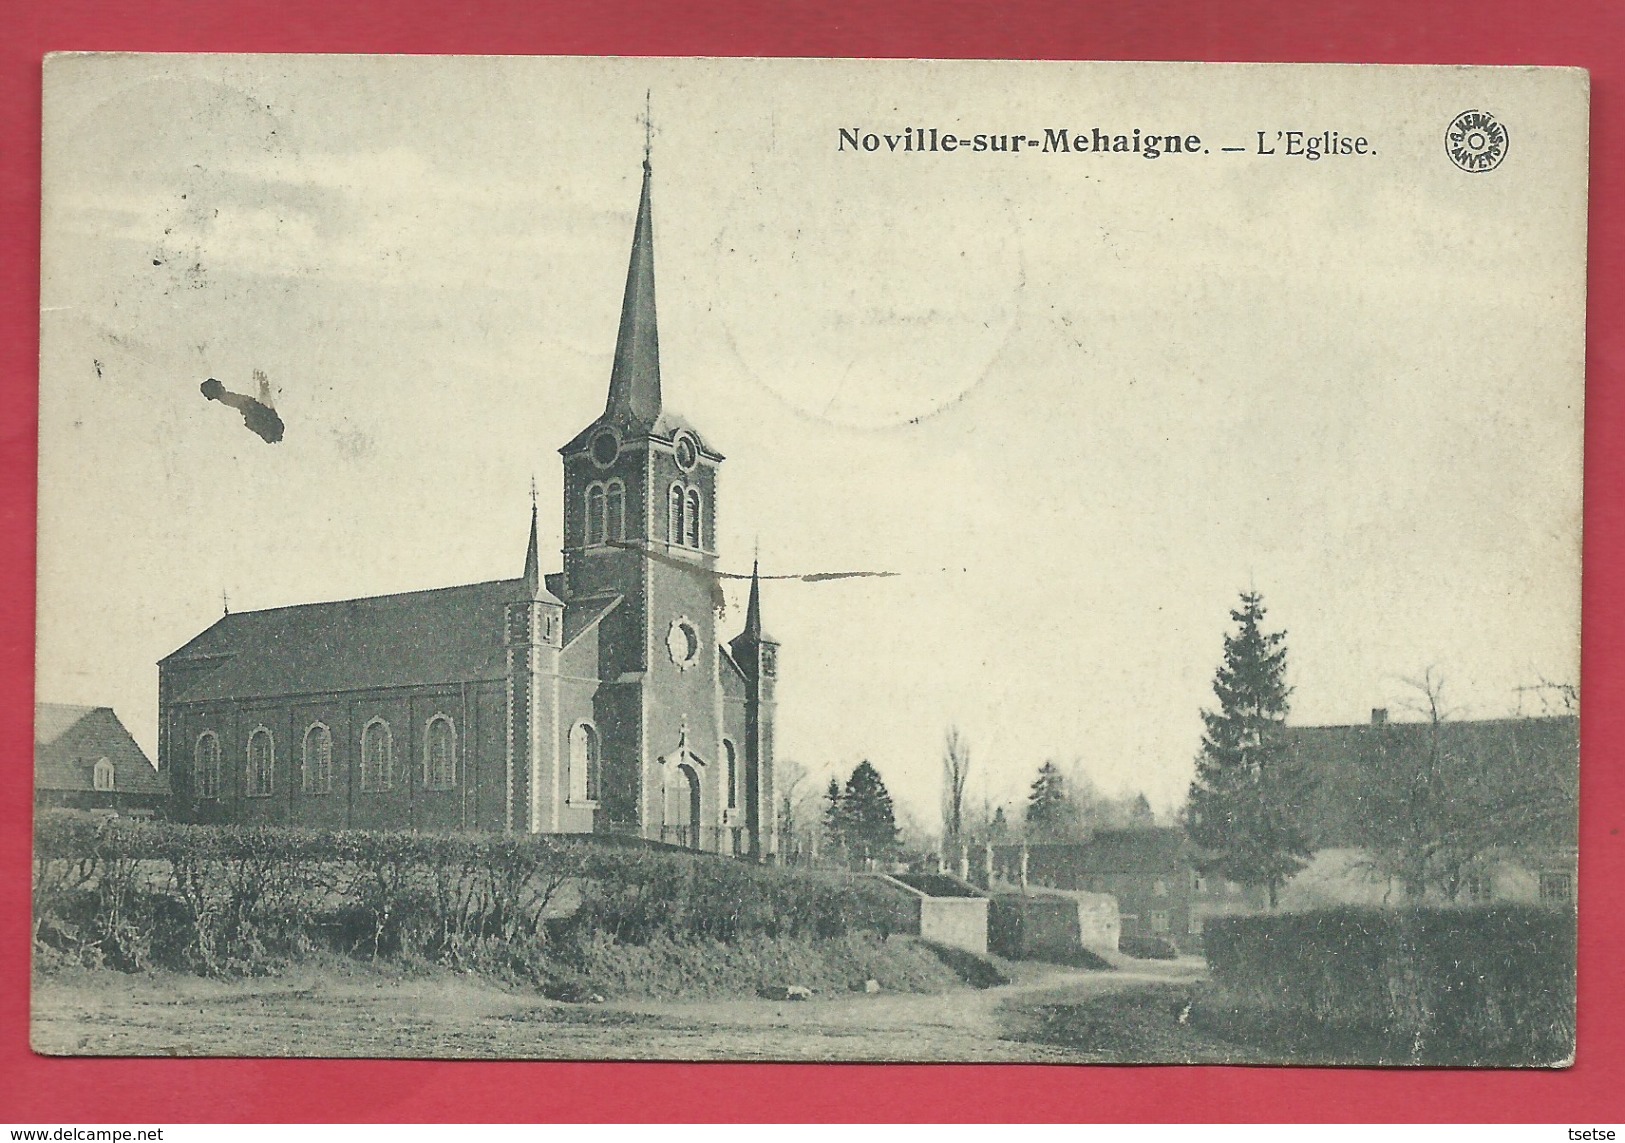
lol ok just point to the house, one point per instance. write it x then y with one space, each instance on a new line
1496 802
602 698
1149 871
85 759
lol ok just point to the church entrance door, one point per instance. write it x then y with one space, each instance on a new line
683 808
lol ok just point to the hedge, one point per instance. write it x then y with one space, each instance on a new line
237 900
1462 985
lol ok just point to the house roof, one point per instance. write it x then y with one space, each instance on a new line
54 719
68 741
1148 850
418 638
1526 758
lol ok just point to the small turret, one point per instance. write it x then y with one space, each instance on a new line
754 649
757 654
533 563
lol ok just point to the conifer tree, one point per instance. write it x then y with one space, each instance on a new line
1243 811
861 815
1051 813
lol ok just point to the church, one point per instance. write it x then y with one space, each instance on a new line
598 699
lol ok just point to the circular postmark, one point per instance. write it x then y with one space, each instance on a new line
1476 141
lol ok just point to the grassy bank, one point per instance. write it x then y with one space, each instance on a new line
761 966
572 917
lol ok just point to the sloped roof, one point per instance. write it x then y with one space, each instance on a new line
580 614
54 719
634 383
733 678
635 406
1148 850
68 741
418 638
1510 751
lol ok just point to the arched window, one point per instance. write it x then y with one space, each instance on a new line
732 773
206 765
674 515
440 754
318 759
102 777
693 517
377 757
615 514
595 514
584 763
261 763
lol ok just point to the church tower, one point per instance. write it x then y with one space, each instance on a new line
640 489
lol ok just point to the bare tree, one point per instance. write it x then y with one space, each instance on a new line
1436 798
1554 698
800 812
955 770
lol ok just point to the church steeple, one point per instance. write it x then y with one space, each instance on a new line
753 632
634 382
533 563
753 609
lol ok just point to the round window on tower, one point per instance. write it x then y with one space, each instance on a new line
686 452
605 448
683 643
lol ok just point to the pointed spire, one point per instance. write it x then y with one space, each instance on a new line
753 610
634 382
533 563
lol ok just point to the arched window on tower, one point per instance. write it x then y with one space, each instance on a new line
595 514
318 758
584 763
102 777
261 763
440 754
693 517
732 773
377 757
615 521
206 765
674 515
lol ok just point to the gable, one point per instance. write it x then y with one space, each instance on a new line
69 739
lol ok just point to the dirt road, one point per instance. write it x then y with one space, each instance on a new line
364 1013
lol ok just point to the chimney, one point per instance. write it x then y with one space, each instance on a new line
1379 716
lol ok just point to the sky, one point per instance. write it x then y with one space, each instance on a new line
1078 402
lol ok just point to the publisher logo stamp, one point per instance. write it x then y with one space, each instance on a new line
1476 141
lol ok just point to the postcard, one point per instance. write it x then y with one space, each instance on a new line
747 559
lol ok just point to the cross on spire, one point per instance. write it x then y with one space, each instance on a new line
533 561
648 127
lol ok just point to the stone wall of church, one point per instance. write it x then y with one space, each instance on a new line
578 684
477 712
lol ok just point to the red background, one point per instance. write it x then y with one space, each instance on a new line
1588 34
